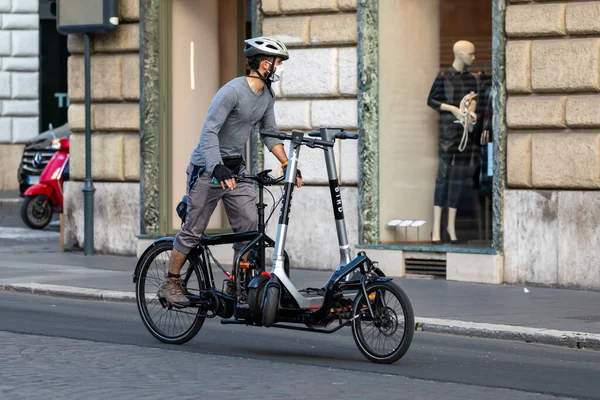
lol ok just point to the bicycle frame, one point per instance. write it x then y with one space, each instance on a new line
200 253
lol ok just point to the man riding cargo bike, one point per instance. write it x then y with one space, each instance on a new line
357 294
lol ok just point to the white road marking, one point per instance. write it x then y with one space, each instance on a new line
26 234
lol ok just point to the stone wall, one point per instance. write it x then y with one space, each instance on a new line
115 124
553 81
19 94
317 89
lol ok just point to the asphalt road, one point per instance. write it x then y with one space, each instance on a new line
436 366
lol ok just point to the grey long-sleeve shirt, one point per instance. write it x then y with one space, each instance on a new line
234 111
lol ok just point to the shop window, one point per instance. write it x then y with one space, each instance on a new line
435 127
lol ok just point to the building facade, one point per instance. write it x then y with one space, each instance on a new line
511 197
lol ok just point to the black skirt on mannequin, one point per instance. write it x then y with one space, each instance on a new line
453 164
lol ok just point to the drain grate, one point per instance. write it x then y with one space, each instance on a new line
436 268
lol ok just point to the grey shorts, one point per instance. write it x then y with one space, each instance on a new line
203 196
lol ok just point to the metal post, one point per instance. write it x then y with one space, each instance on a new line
88 186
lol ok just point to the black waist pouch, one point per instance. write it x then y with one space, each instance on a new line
234 164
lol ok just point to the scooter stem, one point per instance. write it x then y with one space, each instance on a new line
336 198
286 204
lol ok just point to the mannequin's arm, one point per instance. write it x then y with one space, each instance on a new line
450 108
436 97
436 94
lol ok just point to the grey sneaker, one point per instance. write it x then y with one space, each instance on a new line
172 290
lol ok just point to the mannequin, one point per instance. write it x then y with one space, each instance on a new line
449 89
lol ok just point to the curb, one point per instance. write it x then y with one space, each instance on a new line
69 291
459 328
509 332
10 202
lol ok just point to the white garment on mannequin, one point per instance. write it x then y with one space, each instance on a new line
466 118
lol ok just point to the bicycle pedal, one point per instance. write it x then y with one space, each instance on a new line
228 287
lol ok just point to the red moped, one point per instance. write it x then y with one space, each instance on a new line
46 197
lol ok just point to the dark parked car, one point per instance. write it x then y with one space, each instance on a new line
36 155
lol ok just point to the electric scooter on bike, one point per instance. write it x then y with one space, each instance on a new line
356 294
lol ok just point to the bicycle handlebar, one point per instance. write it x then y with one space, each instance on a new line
263 178
277 135
339 135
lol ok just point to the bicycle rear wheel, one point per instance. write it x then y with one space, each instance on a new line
168 324
385 337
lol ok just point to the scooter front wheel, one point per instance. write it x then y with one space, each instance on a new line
270 305
383 332
36 211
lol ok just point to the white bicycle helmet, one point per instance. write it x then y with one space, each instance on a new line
265 46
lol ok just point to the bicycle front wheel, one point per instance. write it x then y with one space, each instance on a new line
385 336
168 324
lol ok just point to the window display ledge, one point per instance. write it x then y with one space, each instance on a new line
428 248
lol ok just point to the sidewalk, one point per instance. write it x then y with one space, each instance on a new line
532 314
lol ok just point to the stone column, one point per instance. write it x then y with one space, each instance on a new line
19 84
553 148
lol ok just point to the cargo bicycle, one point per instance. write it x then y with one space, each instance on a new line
357 293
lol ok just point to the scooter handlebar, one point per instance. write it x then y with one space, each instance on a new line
286 136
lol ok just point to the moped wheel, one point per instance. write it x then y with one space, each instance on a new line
270 305
166 323
36 211
386 336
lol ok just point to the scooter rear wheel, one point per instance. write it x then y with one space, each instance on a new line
385 337
36 211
